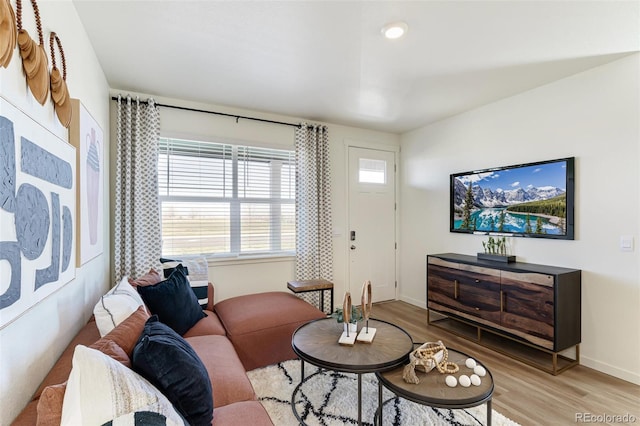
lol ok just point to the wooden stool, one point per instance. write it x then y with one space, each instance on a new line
303 286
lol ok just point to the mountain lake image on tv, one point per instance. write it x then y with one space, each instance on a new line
527 200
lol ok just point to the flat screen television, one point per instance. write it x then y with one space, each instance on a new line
525 200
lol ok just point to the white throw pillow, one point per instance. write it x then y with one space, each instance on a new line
116 306
101 389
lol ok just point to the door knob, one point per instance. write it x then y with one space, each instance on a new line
353 247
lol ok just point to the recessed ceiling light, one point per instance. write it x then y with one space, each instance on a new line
395 30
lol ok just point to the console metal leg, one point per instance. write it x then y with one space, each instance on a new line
489 412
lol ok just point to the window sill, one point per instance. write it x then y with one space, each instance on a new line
249 259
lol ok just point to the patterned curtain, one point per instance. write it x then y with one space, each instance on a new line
314 251
137 238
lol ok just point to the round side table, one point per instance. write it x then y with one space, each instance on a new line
316 342
433 391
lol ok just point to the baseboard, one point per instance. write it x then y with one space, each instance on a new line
611 370
415 302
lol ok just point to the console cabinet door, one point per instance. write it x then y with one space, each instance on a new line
464 290
441 290
479 292
528 306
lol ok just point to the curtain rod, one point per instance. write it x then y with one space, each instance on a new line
236 116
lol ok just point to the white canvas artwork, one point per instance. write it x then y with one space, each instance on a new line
87 137
37 212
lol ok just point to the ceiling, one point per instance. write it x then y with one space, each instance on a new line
327 60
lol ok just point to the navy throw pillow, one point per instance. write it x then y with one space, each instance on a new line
168 361
197 273
173 301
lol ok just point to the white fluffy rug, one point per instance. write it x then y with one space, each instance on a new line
330 398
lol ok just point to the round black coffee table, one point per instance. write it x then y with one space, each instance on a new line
433 391
316 342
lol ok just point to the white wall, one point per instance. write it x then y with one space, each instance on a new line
593 116
238 277
32 343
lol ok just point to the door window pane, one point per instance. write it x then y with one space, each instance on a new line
372 171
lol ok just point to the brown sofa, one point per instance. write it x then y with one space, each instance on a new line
236 335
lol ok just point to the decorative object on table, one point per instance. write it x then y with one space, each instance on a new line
479 370
428 356
354 317
59 89
348 337
7 32
495 249
34 57
86 135
451 381
475 380
367 333
464 381
467 380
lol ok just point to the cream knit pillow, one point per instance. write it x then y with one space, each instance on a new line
100 389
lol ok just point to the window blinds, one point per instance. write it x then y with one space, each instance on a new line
225 199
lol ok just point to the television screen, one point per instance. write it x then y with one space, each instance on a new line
527 200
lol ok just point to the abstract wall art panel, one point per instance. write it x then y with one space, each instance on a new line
87 137
37 212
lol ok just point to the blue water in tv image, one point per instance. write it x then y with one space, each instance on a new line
519 200
489 219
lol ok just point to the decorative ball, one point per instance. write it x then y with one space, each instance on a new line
464 380
475 380
480 370
470 362
451 381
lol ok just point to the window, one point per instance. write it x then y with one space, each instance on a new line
372 171
222 199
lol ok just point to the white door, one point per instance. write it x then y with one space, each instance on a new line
372 224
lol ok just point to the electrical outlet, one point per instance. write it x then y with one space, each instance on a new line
626 243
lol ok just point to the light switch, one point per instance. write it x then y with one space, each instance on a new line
626 243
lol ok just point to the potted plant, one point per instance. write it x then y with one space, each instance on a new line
495 249
356 316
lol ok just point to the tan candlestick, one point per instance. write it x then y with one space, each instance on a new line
366 334
346 338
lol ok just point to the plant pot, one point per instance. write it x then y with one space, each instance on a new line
496 257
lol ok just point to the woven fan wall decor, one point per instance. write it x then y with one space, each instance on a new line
7 32
34 57
59 89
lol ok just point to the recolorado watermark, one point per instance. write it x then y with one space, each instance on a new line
605 418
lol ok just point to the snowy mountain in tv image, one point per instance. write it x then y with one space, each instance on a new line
530 200
485 197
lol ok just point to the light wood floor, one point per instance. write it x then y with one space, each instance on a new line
523 393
